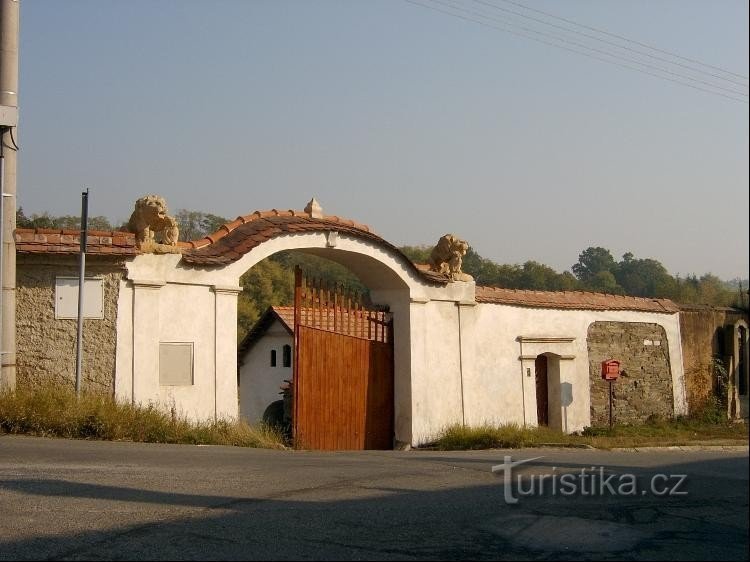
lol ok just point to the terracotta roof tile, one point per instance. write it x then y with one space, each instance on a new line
572 300
225 246
245 233
286 315
66 241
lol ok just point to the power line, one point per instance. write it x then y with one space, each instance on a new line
525 7
612 43
586 54
587 47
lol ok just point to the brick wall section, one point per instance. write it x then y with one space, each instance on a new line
645 384
46 347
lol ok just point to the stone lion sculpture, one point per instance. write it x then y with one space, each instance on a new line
155 231
447 257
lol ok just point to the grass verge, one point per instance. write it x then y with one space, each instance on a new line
53 411
679 431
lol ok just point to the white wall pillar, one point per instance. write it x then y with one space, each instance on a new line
146 340
225 351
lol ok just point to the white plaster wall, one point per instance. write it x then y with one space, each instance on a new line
185 316
435 369
496 386
176 313
259 382
124 353
455 361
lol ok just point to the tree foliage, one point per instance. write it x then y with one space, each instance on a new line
197 224
69 222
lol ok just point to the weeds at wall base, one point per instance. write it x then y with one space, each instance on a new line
655 432
55 411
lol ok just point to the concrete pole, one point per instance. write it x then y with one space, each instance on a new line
9 18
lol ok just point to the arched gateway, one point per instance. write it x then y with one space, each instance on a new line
164 327
172 300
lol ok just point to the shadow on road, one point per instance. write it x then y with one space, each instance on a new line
374 521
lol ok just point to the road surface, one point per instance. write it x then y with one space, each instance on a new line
67 500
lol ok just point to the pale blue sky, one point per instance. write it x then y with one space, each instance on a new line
412 121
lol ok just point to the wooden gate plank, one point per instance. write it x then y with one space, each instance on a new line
343 371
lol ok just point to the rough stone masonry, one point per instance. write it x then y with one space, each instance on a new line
46 345
644 388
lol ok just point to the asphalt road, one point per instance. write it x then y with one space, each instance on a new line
73 500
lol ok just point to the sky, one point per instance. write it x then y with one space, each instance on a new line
402 117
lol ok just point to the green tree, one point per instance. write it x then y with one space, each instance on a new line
645 278
605 282
68 222
197 224
417 254
591 262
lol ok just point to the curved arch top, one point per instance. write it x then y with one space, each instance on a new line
356 250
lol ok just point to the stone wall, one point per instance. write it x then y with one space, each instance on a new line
46 347
702 334
645 384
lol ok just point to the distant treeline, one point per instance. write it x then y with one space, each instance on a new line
272 280
597 270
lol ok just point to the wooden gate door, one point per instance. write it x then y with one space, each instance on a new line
343 370
542 390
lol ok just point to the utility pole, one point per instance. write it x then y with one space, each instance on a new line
9 20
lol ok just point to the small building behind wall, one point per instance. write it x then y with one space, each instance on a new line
265 363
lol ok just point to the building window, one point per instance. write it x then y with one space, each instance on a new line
273 358
287 356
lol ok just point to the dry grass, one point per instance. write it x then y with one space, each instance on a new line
54 411
680 431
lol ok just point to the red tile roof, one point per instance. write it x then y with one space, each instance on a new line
572 300
237 238
285 314
225 246
62 241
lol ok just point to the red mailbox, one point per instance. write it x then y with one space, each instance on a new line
610 369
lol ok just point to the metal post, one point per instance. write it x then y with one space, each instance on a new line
81 284
610 404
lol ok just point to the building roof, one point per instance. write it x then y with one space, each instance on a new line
63 241
572 300
237 238
225 246
285 316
